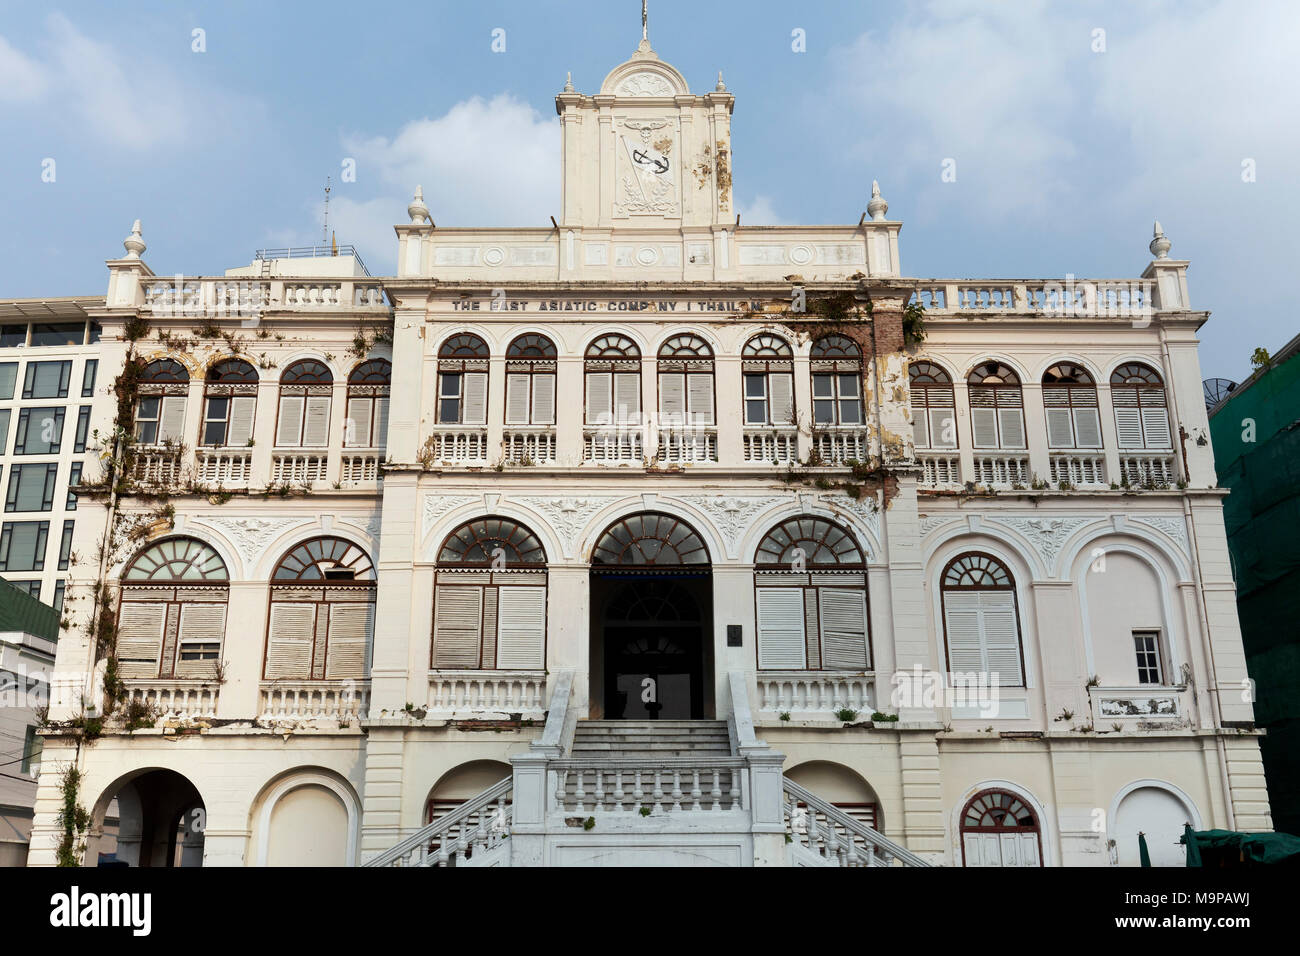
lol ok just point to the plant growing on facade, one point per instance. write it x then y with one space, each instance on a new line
846 714
74 820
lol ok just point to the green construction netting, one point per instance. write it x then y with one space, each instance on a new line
1229 847
19 611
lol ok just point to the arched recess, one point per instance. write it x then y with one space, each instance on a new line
1159 810
1126 584
461 783
172 617
810 593
307 817
161 820
322 612
843 787
490 594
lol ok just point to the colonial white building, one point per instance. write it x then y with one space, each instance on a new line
646 536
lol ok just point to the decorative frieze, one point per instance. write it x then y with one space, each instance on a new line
435 506
732 515
568 514
251 535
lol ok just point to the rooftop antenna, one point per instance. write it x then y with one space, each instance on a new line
645 22
325 229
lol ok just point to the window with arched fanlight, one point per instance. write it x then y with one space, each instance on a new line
172 619
686 381
369 385
612 369
1070 405
649 538
998 828
810 593
306 391
530 380
1137 393
163 387
322 613
229 404
767 366
981 621
489 603
997 406
463 380
934 406
836 365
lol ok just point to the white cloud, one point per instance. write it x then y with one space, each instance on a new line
759 212
483 163
22 79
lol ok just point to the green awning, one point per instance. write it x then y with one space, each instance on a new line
1253 848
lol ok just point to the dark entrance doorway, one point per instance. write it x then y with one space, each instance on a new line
651 621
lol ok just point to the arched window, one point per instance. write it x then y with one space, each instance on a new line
811 598
1141 408
999 829
686 381
306 390
934 415
367 422
172 619
229 404
767 364
322 612
530 381
836 362
981 621
494 620
160 410
463 380
1070 404
649 538
997 407
613 372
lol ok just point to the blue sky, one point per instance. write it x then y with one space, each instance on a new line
1065 151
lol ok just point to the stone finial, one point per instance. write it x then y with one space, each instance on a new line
134 243
877 207
568 82
417 210
1160 245
721 87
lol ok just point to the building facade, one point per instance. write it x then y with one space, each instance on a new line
650 537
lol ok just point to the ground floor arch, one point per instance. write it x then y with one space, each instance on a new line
161 822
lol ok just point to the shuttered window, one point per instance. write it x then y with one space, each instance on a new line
530 398
781 628
843 628
292 635
139 638
934 411
981 623
462 398
498 626
1073 420
202 627
171 632
1141 416
366 425
304 421
613 397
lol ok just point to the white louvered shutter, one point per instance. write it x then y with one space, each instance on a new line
1087 428
1011 427
984 423
1001 636
627 395
356 431
240 431
475 398
316 426
350 627
1059 432
380 436
781 388
521 628
961 615
139 638
200 624
672 397
289 643
457 625
781 628
1155 427
699 397
982 849
544 399
920 426
171 425
599 399
943 428
1128 417
517 399
844 628
288 433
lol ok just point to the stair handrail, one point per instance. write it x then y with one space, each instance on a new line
835 815
554 739
741 720
418 842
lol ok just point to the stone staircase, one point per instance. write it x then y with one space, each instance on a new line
650 738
